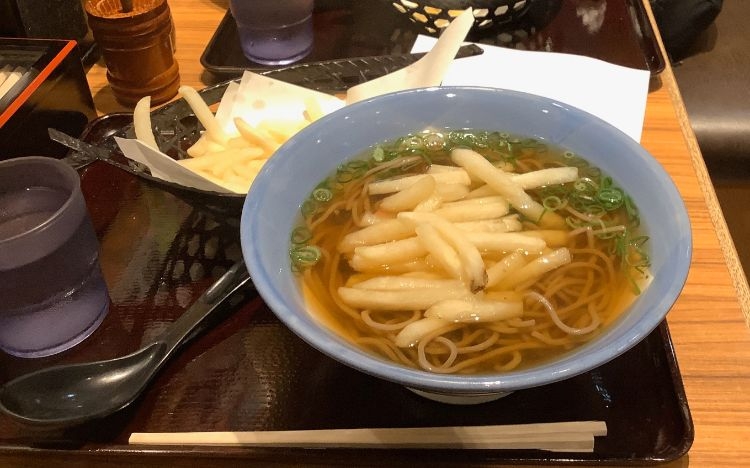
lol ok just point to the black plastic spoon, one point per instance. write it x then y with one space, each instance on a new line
73 394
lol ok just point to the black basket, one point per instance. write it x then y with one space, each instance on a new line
435 15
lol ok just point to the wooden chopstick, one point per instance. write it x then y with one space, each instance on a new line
575 436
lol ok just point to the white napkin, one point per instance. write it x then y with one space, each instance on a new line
164 167
261 98
611 92
427 71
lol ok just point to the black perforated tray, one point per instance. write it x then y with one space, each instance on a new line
353 28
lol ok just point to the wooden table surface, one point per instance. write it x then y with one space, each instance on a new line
709 321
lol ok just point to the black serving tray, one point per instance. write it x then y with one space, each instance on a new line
351 28
52 92
249 372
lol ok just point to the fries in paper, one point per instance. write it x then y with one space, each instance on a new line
253 119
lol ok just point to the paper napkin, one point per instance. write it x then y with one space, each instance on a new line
611 92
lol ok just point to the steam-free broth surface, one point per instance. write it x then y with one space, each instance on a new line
469 251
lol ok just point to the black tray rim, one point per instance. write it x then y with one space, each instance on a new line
112 123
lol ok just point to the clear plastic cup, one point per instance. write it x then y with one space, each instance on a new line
274 32
52 293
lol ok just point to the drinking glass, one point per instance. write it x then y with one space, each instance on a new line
274 32
51 285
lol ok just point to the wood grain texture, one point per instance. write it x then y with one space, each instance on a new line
708 322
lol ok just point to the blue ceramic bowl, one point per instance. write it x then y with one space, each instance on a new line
272 209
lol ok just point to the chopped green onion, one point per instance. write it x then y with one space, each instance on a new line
358 165
434 141
309 207
552 203
633 214
585 185
596 211
378 154
322 195
301 235
611 198
601 204
305 256
413 142
344 177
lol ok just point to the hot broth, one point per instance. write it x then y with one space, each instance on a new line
469 251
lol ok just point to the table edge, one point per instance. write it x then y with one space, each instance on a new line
728 249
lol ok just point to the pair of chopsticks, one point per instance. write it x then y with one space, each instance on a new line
575 436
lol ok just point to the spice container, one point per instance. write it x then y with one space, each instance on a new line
138 48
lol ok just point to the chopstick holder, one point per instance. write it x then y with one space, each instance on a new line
575 436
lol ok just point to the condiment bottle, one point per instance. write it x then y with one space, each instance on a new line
138 48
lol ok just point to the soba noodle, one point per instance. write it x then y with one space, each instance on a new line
469 252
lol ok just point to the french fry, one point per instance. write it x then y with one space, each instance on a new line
474 209
282 130
505 242
222 160
537 268
371 267
378 233
250 170
449 192
198 148
205 145
212 146
409 197
509 223
204 114
383 187
475 310
505 267
435 168
413 299
481 192
235 179
544 177
313 111
413 333
441 250
469 256
237 142
443 193
533 179
142 122
502 295
406 282
431 203
477 166
256 136
398 251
